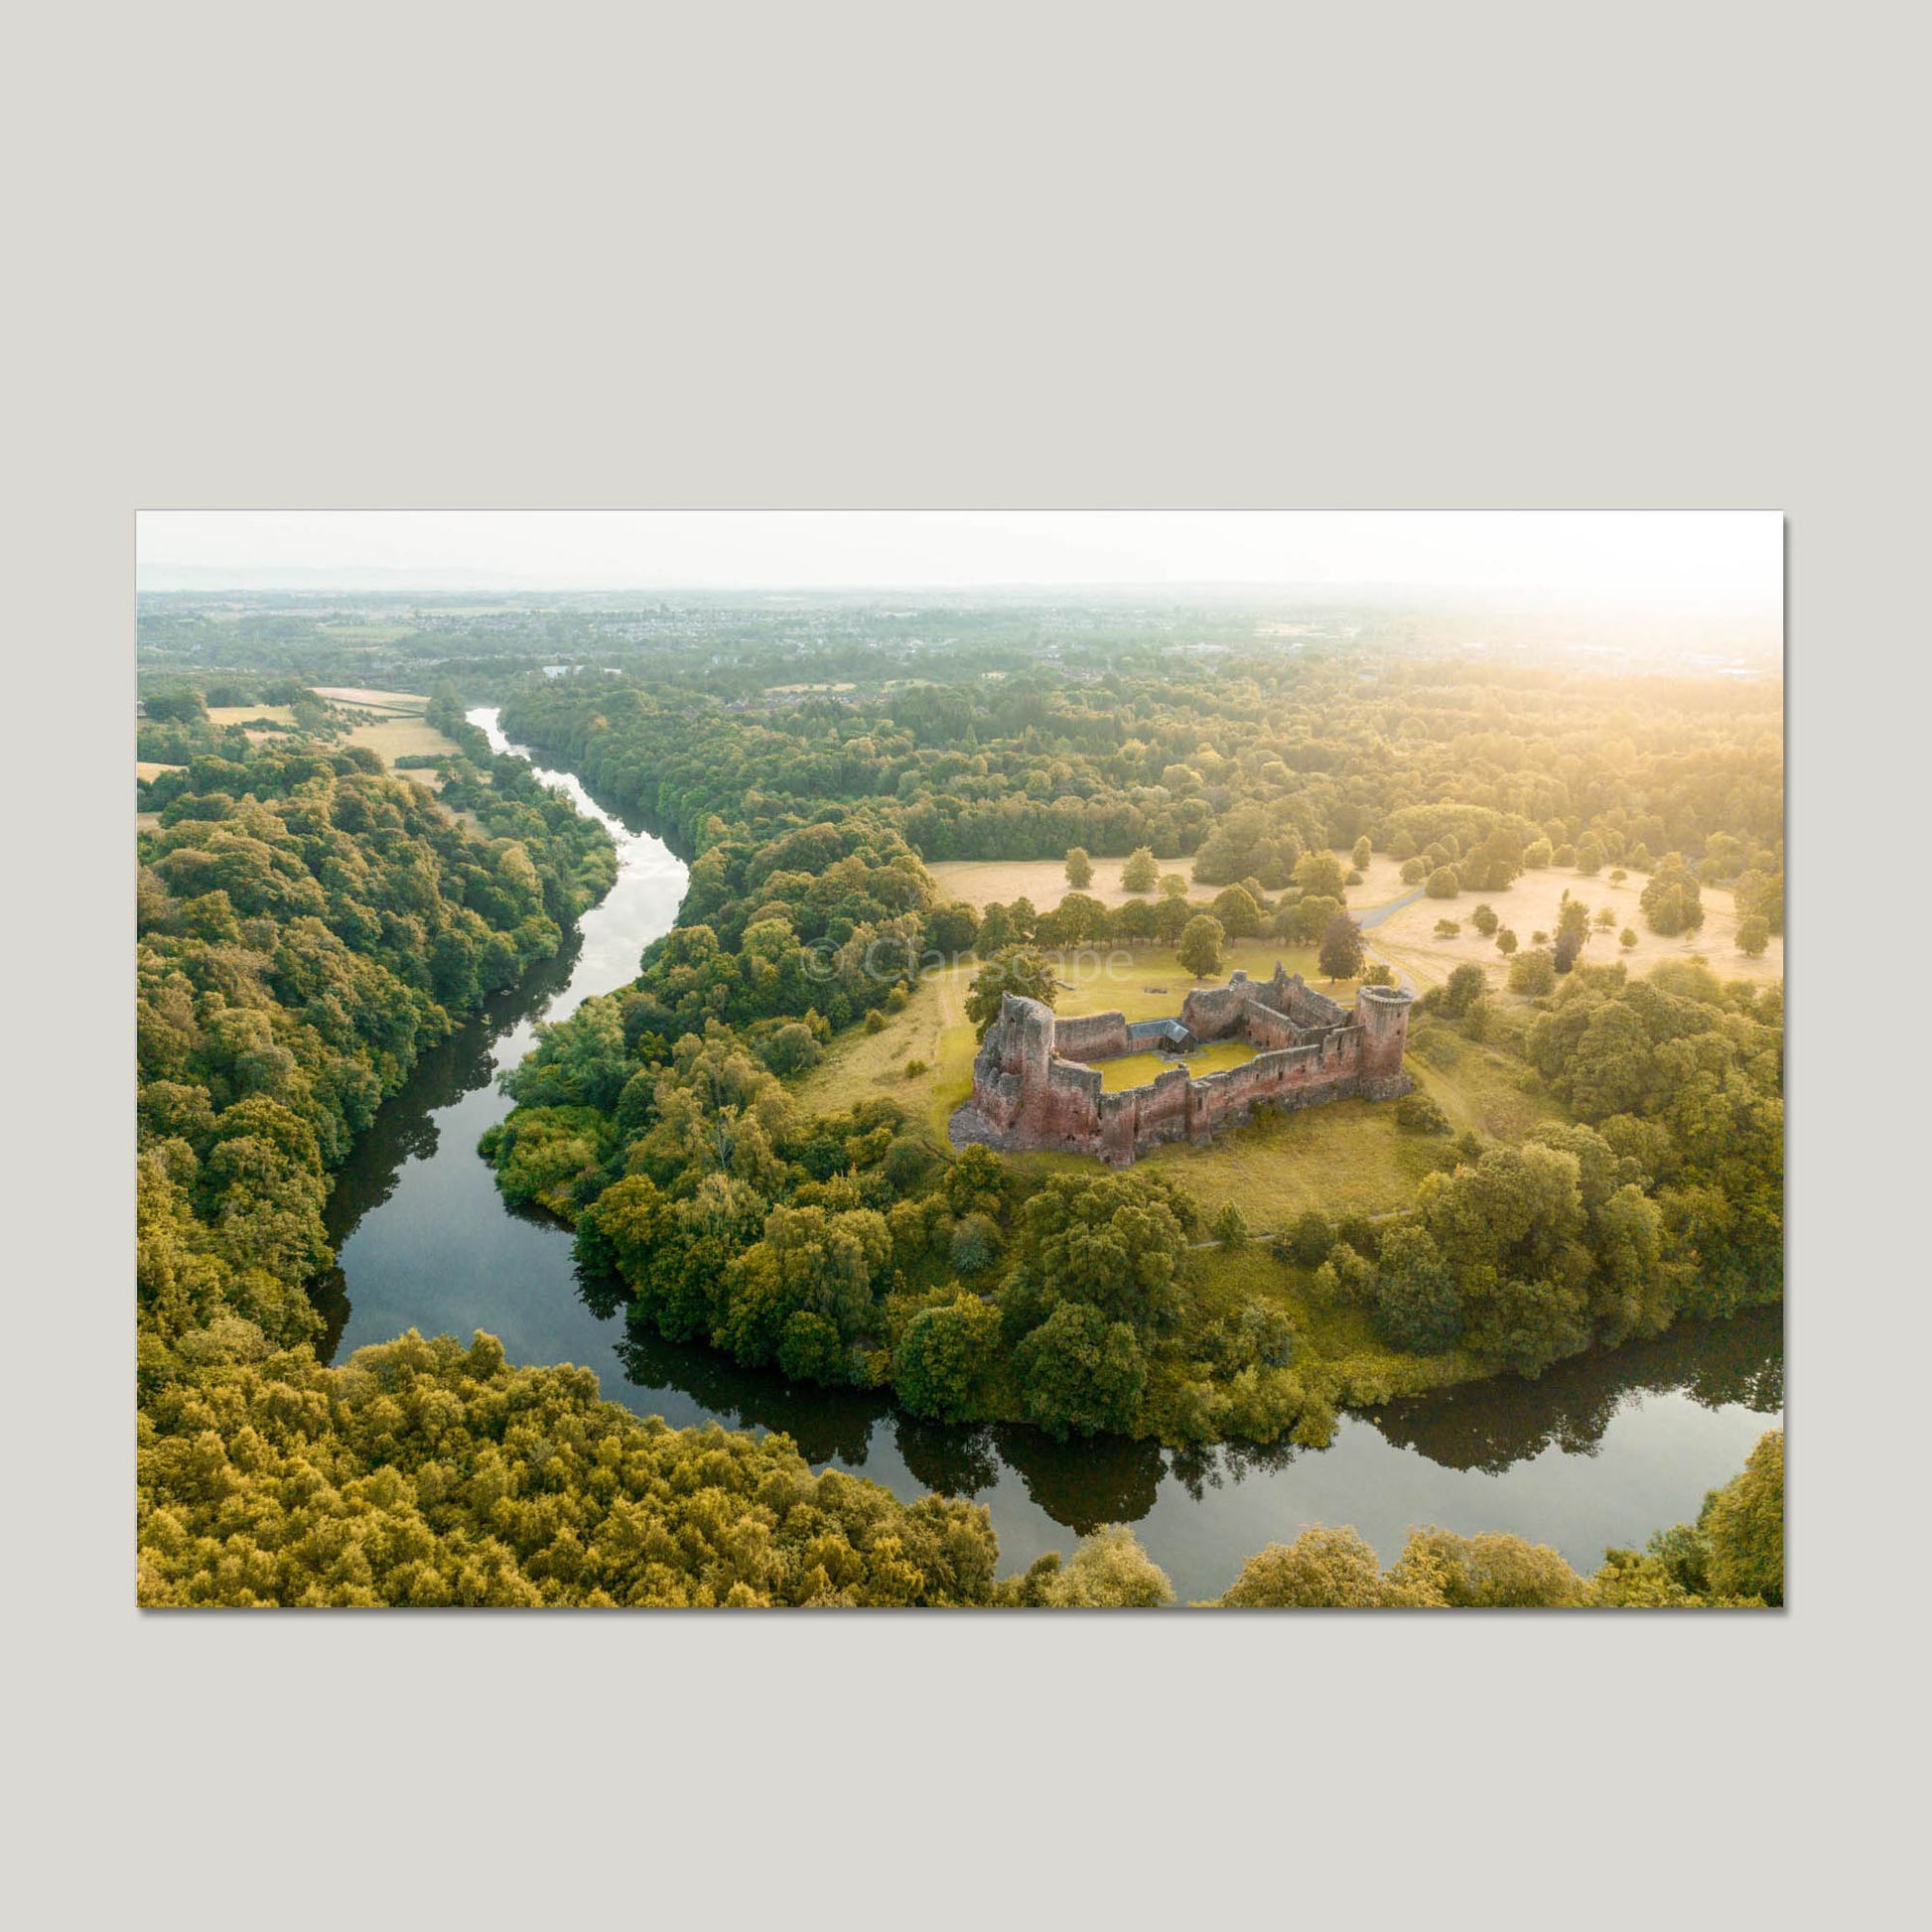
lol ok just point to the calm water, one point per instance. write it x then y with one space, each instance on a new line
1599 1452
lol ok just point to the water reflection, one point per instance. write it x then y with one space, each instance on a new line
1491 1425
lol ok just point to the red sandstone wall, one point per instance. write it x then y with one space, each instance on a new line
1091 1037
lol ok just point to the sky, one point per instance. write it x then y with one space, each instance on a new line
1683 559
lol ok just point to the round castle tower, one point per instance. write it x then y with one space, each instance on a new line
1382 1013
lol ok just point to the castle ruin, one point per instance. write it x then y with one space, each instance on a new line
1037 1081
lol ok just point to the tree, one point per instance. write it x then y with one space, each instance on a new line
1141 873
1744 1526
1110 1571
953 927
1200 945
1457 994
1415 1301
946 1358
1671 900
1239 916
1534 973
1605 918
1170 917
1487 1571
1174 884
1363 853
976 1244
790 1048
1230 1227
1322 1570
1320 876
1018 969
1627 939
182 705
1114 1242
1340 952
1079 918
1754 935
1307 1240
1506 942
1449 929
1310 918
1443 883
1080 868
1082 1373
1484 919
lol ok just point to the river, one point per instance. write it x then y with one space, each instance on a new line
1600 1452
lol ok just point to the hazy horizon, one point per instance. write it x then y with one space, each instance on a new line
1690 561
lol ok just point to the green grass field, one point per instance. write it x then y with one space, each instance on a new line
1141 1069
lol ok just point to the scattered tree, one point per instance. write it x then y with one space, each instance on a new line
1341 952
1018 969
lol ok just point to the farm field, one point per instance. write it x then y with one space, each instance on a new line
355 694
394 728
244 713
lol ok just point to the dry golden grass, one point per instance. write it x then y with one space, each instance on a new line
357 695
1381 882
981 883
146 768
1408 938
932 1029
394 738
243 713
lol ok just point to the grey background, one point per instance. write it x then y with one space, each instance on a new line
1001 256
